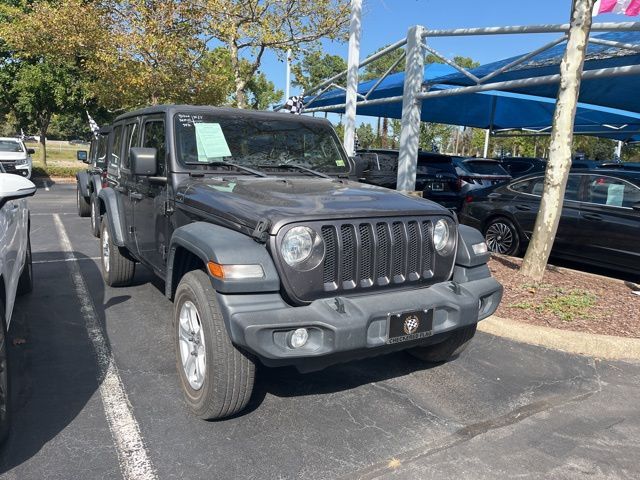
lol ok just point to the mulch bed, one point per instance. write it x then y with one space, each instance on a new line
567 300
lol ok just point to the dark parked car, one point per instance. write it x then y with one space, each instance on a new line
89 182
271 255
600 221
477 173
521 166
436 175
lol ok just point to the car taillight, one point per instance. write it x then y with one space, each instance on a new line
468 199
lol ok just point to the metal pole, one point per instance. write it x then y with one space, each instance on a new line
287 87
487 132
411 110
619 150
352 76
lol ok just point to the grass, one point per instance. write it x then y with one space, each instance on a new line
566 305
61 160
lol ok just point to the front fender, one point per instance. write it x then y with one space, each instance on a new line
96 184
83 183
111 206
221 245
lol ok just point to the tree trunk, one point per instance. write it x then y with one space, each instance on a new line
385 132
559 163
44 127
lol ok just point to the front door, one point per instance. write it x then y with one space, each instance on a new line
609 223
151 222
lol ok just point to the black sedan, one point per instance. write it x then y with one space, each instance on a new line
600 222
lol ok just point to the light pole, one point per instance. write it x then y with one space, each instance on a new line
287 87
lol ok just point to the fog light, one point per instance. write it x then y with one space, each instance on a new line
299 338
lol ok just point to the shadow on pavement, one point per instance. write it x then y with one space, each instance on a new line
54 371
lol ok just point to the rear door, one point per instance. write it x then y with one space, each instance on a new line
610 226
526 205
151 220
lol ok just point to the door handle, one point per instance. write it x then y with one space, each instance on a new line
592 216
523 208
136 196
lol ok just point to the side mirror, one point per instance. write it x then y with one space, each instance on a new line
144 161
31 151
82 155
636 206
13 187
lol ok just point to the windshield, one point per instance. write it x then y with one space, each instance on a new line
480 167
12 146
256 143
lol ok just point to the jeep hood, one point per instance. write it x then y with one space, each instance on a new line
281 200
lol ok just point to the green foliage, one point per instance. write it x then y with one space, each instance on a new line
377 68
566 305
366 135
316 67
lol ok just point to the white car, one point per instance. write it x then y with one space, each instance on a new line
15 157
15 270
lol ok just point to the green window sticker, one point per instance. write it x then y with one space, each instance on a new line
210 141
340 162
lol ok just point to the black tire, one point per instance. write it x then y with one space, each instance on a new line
5 379
447 350
84 207
25 282
502 236
117 270
95 216
229 373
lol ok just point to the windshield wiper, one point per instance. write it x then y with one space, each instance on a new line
293 166
222 163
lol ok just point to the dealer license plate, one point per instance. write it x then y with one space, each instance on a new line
407 326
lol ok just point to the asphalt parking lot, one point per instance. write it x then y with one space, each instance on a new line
501 410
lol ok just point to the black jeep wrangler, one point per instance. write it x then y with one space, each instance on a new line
89 182
270 253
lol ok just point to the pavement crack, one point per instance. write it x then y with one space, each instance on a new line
466 434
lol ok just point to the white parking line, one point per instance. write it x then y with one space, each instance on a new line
75 259
132 454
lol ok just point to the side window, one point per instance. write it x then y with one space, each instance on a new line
521 187
612 191
93 150
116 149
132 134
153 137
571 192
101 156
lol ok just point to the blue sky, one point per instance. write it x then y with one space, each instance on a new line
386 21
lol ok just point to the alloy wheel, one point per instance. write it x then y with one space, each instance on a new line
499 237
191 345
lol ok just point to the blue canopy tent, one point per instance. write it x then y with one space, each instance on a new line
530 108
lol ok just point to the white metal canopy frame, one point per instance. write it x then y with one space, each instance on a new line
415 90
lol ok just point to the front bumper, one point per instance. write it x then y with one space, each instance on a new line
23 169
353 327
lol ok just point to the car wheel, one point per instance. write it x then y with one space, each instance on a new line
216 377
25 282
502 236
5 383
447 350
117 270
95 216
84 207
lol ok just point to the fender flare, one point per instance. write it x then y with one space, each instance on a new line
465 256
210 242
96 184
83 183
111 205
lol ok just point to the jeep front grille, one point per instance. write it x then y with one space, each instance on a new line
376 253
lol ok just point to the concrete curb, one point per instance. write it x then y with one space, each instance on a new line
593 345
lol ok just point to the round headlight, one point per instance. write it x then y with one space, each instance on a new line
440 235
297 245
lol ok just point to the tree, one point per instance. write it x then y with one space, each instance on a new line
465 62
262 92
43 89
366 135
247 28
559 163
316 67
